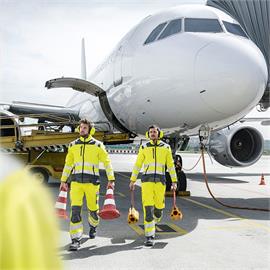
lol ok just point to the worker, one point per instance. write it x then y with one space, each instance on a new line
29 233
82 166
155 155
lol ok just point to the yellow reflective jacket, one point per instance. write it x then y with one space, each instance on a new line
82 161
155 159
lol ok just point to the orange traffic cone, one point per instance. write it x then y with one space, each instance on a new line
61 204
109 210
262 180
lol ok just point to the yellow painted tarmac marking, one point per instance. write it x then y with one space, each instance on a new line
121 194
248 221
177 228
123 175
137 229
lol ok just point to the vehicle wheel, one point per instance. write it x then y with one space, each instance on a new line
40 174
182 181
179 159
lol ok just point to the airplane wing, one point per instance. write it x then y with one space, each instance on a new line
47 112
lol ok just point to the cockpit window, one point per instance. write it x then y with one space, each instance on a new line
173 27
155 33
234 29
202 25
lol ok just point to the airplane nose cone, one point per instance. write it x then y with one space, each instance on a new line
230 76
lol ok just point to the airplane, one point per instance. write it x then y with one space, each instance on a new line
190 69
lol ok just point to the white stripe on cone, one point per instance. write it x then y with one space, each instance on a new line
109 201
60 205
63 194
109 191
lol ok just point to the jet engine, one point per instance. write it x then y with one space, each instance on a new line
236 147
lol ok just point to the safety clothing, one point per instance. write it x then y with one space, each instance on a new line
155 158
82 165
84 155
29 231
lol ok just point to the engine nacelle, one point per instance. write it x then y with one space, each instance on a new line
236 147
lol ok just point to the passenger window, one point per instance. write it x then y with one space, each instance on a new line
155 33
172 28
202 25
234 29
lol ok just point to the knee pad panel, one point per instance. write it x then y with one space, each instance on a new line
158 212
149 213
76 214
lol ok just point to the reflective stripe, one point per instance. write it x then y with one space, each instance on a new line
65 174
170 169
134 174
93 221
153 172
76 226
149 228
135 168
77 235
86 172
153 164
109 201
77 164
108 167
149 225
67 167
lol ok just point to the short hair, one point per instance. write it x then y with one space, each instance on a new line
154 126
86 122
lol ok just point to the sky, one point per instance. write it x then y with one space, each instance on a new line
41 40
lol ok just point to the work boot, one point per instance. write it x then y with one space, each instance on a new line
75 245
149 241
92 232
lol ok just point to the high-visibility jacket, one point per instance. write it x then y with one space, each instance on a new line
82 161
155 157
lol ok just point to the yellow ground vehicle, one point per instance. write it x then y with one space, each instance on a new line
43 151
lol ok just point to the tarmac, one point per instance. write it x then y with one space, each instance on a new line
210 236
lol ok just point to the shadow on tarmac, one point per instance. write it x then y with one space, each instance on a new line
193 208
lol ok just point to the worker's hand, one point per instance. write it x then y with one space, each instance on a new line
174 186
132 185
110 183
63 186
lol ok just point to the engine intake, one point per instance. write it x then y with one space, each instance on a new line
236 147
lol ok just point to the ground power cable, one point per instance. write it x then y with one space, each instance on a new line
194 165
212 195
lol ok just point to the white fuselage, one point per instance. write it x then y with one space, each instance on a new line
182 81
